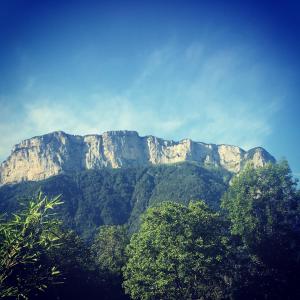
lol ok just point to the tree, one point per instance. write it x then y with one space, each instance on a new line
109 248
179 253
78 271
263 208
109 256
25 240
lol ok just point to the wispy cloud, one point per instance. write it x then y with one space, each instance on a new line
179 92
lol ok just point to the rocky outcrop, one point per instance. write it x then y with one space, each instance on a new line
54 153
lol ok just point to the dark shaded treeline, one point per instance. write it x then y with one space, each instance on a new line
119 196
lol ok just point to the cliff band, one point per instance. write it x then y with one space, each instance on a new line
54 153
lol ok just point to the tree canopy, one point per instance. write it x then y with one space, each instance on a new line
94 198
263 209
178 253
109 248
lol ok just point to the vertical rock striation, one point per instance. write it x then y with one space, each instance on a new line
54 153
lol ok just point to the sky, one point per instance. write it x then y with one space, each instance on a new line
224 72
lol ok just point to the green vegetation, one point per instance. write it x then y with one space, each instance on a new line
25 240
264 212
40 260
249 248
179 253
109 248
80 274
119 196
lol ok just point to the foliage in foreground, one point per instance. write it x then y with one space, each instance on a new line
25 240
179 253
194 253
41 260
80 273
263 207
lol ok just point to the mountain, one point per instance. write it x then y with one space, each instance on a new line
112 178
56 153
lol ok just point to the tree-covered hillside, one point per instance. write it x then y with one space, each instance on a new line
119 196
248 249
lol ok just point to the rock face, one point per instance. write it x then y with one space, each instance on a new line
54 153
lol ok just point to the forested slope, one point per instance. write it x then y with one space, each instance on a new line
119 196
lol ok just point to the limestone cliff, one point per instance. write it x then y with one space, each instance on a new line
54 153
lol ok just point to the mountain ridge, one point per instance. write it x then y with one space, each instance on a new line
41 157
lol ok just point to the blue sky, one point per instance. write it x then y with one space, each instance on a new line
214 71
